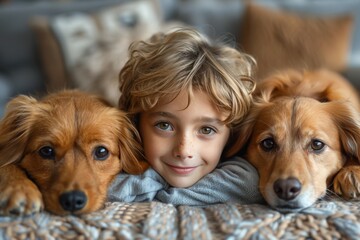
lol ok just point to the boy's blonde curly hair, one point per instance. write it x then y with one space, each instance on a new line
183 59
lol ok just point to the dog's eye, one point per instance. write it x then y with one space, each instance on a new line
317 145
268 144
47 153
101 153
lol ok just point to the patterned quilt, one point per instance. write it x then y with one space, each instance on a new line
334 219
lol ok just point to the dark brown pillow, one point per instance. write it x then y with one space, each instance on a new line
278 40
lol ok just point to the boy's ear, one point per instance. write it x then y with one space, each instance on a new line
131 153
15 128
242 133
239 139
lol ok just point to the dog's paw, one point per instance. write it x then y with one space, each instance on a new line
347 182
20 199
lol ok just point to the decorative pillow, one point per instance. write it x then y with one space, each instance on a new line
278 39
95 47
76 33
50 56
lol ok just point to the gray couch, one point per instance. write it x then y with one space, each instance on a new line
20 70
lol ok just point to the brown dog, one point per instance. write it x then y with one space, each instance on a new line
302 129
64 150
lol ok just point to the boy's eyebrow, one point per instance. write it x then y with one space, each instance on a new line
163 114
201 119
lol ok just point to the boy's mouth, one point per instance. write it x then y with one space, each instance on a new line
181 170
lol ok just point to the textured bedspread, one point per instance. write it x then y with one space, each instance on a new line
325 220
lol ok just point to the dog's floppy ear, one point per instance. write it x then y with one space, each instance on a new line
241 134
279 84
15 128
239 138
131 154
332 86
347 119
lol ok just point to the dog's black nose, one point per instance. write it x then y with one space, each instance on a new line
73 200
287 189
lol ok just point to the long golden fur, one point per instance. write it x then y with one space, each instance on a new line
62 152
303 136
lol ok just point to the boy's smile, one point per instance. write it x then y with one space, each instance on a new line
184 142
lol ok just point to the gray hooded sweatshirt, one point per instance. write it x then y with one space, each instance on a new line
234 180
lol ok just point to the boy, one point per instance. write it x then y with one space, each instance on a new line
187 98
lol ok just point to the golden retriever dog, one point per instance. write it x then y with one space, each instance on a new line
62 152
303 136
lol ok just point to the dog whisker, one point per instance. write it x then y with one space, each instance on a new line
331 195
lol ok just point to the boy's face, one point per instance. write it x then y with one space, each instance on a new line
183 143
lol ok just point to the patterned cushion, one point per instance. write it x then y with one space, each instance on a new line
87 51
325 220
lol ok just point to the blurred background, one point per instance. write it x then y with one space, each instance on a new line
50 45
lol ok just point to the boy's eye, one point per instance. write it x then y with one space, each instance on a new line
165 126
207 131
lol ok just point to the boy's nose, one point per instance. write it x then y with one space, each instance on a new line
184 148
